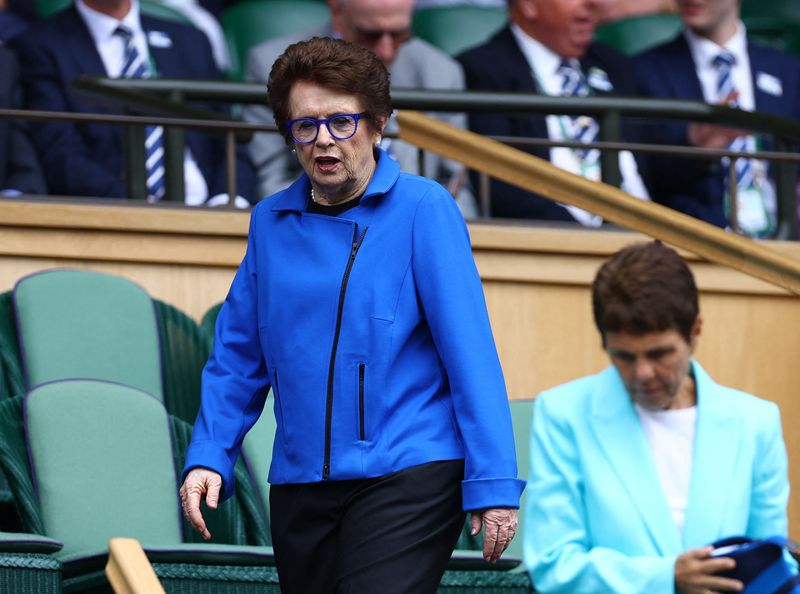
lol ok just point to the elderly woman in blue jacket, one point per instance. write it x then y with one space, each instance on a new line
359 304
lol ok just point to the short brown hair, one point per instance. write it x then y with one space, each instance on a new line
335 64
645 287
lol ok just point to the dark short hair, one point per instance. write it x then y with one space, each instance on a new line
645 287
335 64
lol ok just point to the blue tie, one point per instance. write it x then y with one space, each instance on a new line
726 93
583 128
134 66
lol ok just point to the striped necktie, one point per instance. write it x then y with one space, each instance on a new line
134 66
581 128
727 95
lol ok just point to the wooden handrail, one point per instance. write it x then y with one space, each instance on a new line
129 570
538 175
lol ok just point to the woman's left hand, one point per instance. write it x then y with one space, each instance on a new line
501 526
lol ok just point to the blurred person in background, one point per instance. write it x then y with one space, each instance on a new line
109 38
713 61
20 172
547 48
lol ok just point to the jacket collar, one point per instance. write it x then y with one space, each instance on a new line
295 197
622 441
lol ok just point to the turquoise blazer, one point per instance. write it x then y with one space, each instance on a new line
597 520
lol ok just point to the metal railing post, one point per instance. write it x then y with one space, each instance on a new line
134 159
174 150
786 191
610 131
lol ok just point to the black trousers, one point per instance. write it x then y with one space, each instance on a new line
388 535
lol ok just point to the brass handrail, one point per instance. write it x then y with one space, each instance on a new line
537 175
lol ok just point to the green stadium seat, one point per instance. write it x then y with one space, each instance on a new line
456 28
102 458
636 34
773 22
248 23
152 8
86 324
126 337
27 564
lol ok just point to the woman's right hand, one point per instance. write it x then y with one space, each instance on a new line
695 571
200 482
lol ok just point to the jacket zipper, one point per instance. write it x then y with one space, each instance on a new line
361 433
357 241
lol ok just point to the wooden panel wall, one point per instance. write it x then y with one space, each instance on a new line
536 282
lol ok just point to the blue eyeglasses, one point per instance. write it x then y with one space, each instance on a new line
341 126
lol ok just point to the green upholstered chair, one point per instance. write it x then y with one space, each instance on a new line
521 418
102 458
27 564
184 351
123 336
86 324
159 10
635 34
774 22
151 8
248 23
456 28
209 321
47 7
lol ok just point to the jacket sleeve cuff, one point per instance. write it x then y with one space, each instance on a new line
490 493
207 454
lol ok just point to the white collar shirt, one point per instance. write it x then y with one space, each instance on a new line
544 65
703 53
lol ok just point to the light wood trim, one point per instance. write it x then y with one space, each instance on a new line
81 213
537 175
129 570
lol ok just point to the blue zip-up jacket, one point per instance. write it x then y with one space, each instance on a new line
372 330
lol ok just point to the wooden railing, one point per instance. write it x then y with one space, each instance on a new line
537 175
128 570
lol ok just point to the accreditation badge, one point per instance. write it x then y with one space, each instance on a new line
755 206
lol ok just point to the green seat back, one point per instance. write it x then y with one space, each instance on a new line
257 449
248 23
47 7
101 458
209 322
11 380
184 352
521 418
454 29
636 34
786 9
85 324
779 32
159 10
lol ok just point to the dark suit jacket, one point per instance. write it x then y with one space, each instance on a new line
19 164
87 160
696 186
500 65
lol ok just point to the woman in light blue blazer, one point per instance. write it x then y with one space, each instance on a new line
636 469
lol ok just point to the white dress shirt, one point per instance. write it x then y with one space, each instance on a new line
703 53
544 64
111 48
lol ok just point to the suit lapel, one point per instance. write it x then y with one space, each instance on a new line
520 79
80 44
679 68
761 71
619 433
716 447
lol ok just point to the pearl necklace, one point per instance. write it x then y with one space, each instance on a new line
313 197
